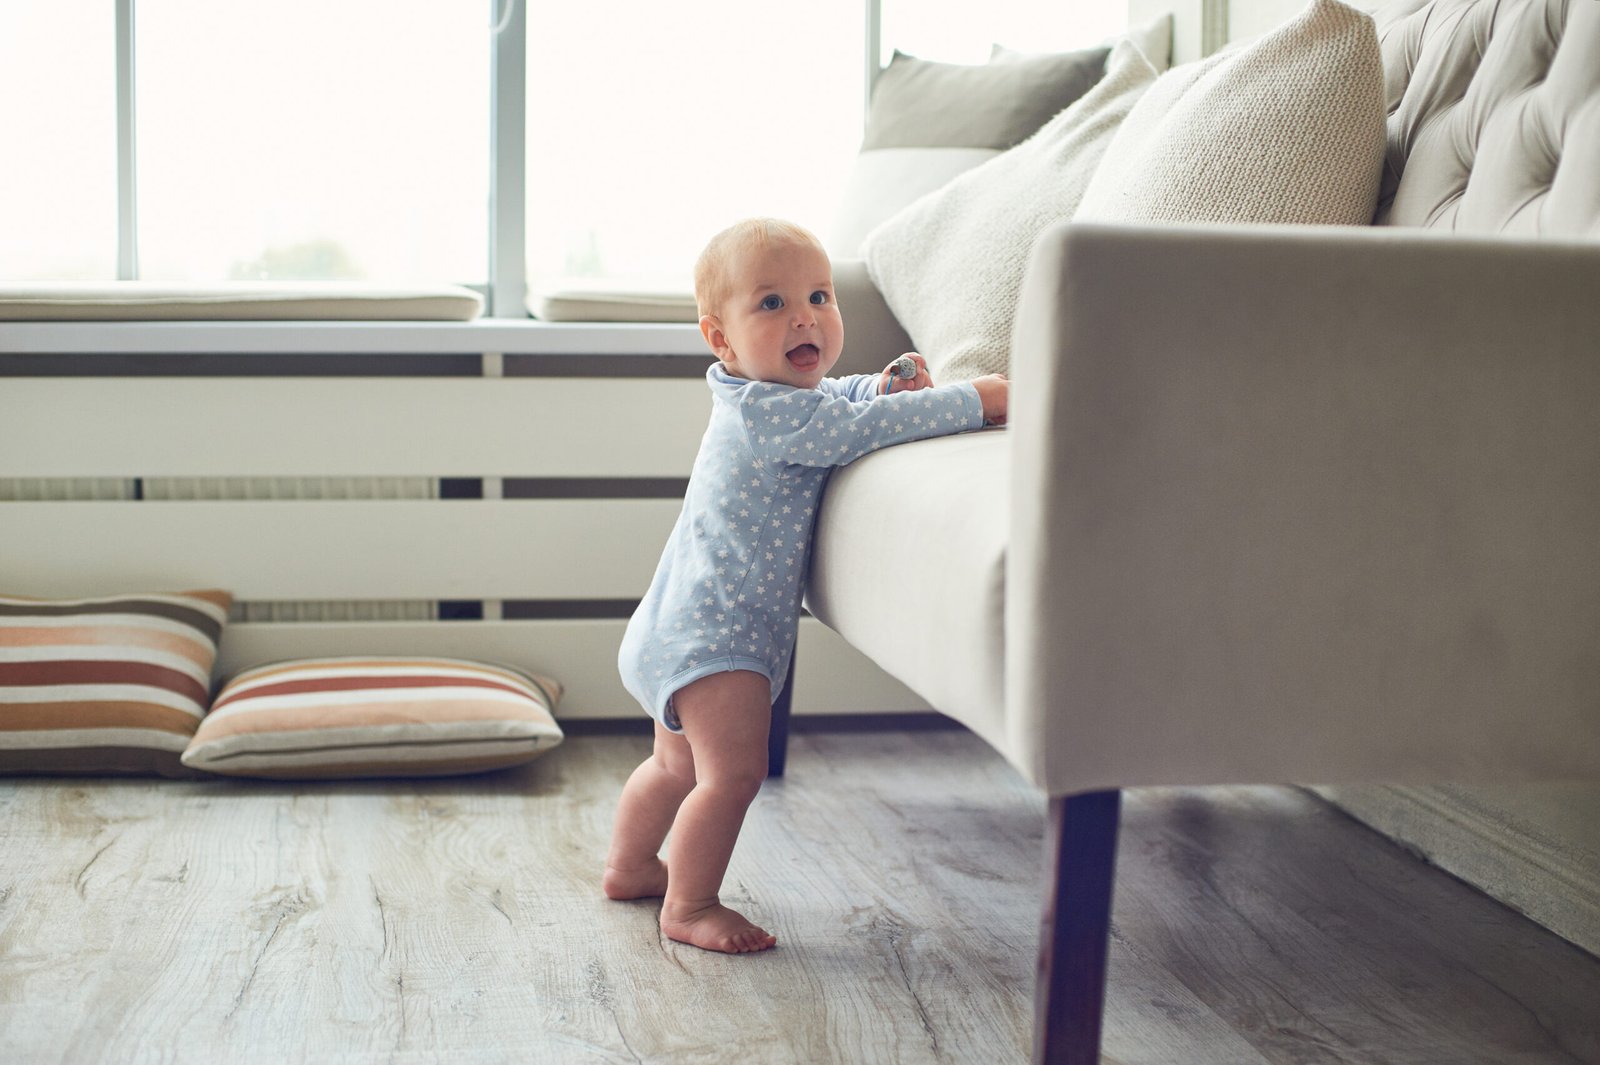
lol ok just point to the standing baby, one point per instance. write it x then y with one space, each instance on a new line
708 649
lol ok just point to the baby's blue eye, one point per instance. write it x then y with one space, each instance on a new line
771 303
819 297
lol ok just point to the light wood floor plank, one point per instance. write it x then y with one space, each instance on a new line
1300 886
461 921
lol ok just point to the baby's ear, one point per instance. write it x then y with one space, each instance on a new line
716 339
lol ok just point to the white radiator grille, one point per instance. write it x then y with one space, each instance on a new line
15 489
225 488
171 488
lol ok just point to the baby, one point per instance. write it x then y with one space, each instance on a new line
707 650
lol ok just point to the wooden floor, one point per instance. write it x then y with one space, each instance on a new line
461 921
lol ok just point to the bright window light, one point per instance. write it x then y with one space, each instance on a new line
58 129
350 139
653 125
312 140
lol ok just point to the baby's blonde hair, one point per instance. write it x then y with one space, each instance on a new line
711 280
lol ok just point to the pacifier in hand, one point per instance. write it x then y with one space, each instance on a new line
902 369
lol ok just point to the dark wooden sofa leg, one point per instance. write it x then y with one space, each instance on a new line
1080 865
778 738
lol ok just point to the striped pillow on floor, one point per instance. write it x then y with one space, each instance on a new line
108 685
375 716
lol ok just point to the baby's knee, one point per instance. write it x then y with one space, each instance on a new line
672 757
741 784
678 767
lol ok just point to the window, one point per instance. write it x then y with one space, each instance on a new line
309 139
351 139
58 123
652 125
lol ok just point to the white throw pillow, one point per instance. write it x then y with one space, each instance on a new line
1153 39
950 265
1286 129
884 181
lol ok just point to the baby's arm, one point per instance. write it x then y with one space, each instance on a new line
808 427
994 391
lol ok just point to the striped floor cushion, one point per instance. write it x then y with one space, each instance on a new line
375 717
108 685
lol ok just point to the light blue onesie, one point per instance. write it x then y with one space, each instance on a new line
726 594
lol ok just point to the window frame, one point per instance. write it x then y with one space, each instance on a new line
506 291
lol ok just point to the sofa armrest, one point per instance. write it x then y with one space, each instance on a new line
871 335
1304 504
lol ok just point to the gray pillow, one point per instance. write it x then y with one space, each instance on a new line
929 122
917 103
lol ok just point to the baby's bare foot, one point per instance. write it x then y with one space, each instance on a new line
645 882
715 927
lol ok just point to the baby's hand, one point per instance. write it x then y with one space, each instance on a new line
891 383
995 392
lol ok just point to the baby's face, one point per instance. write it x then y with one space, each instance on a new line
779 322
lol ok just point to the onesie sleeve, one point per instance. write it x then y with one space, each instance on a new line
810 427
861 386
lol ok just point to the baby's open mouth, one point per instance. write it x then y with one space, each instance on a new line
804 357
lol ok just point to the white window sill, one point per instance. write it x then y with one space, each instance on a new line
485 335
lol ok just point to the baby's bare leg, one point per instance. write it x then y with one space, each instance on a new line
726 717
649 802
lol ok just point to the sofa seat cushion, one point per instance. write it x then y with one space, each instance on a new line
124 301
909 567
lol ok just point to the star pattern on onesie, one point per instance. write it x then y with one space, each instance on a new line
727 592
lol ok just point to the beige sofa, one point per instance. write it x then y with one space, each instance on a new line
1276 504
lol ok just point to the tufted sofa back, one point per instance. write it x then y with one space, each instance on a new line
1494 116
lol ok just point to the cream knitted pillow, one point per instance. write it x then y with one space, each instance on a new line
1286 129
950 265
